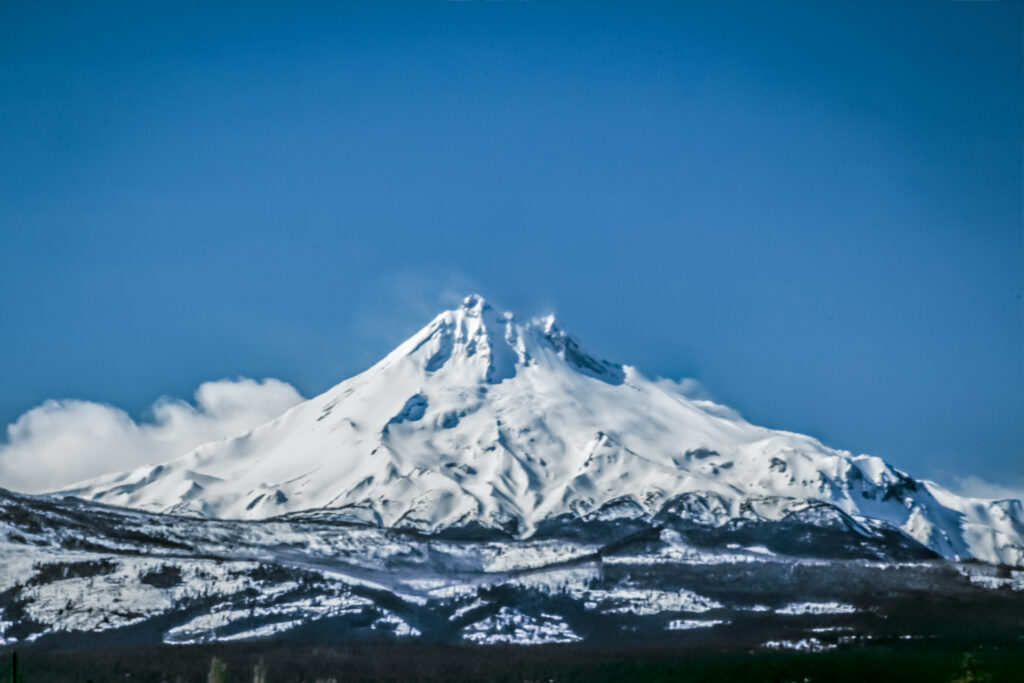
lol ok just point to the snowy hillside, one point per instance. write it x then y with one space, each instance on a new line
80 575
484 418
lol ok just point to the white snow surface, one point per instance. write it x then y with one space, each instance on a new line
483 417
802 645
512 626
690 624
816 608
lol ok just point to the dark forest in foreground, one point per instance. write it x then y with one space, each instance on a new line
958 660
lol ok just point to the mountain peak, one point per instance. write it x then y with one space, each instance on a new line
476 330
476 306
474 303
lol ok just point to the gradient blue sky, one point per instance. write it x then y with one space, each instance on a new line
813 208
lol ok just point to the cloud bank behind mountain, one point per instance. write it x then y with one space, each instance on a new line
63 441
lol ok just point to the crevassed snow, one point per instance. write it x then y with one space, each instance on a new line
481 417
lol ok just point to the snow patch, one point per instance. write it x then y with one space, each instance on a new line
689 624
802 645
514 627
817 608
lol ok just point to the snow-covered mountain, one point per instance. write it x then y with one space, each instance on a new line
482 418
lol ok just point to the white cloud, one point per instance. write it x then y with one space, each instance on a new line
64 441
687 386
976 487
695 391
411 296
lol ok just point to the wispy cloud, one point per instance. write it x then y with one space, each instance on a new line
687 386
407 300
976 487
694 390
64 441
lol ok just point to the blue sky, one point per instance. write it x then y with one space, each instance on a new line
812 208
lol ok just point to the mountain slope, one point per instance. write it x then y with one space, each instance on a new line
82 575
482 418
